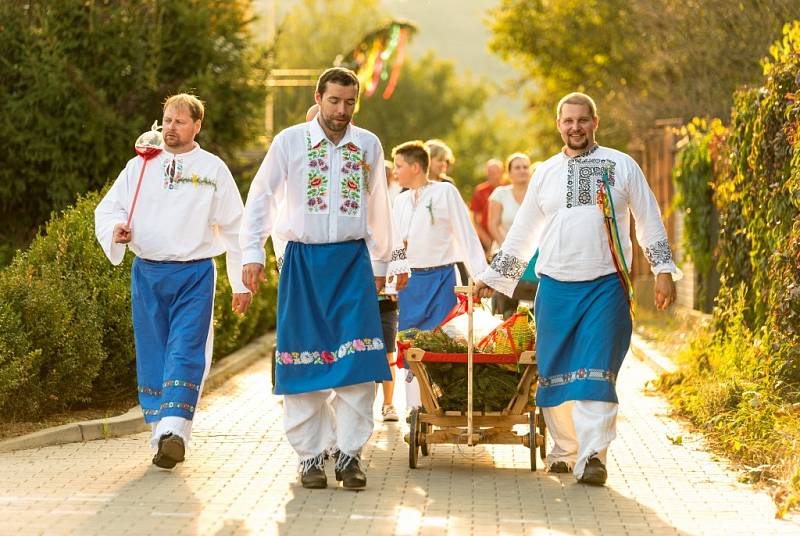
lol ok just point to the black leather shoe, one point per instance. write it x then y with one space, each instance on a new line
314 478
171 451
351 476
595 473
559 467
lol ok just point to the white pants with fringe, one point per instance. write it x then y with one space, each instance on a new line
317 423
580 429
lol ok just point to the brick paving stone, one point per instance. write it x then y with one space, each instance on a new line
240 478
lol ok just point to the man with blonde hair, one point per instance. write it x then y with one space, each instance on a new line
577 212
188 211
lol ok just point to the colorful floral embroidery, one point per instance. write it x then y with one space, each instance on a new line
317 185
325 357
174 176
169 405
577 375
181 383
354 174
149 391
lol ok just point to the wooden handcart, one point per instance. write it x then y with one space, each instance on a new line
430 424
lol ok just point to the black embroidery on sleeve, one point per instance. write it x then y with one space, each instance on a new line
658 253
398 255
508 266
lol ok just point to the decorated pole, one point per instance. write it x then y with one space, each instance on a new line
147 146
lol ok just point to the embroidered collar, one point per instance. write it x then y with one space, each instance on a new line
318 135
584 154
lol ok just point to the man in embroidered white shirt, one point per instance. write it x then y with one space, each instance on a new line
322 191
577 212
188 210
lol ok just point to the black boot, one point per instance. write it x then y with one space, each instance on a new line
312 474
171 451
594 473
349 473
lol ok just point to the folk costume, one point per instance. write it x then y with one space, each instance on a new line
437 233
328 204
577 212
188 211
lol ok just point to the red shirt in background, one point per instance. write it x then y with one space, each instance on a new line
480 203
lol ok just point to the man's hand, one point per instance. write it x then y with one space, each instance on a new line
241 302
380 282
122 234
252 273
665 291
482 290
400 281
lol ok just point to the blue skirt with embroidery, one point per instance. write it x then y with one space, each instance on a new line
583 331
329 327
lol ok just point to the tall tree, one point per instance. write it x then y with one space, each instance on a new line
640 59
80 80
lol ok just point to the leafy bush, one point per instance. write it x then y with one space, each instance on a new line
693 178
65 324
741 380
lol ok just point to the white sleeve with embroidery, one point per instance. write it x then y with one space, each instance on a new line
111 211
380 231
520 244
266 194
227 216
650 231
467 244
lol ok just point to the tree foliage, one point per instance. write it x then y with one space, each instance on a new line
641 59
431 100
694 181
742 380
80 80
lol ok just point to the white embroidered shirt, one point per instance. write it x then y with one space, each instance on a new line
188 208
311 191
437 228
560 216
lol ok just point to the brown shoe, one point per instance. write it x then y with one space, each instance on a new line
171 451
595 473
559 467
350 473
314 478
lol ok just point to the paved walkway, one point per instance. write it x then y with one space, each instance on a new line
240 479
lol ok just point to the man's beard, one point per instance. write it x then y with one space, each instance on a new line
580 145
332 125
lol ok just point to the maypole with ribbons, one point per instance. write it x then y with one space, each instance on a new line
379 58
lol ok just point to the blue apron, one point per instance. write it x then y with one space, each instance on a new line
329 329
583 331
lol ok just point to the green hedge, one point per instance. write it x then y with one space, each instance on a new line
741 380
66 339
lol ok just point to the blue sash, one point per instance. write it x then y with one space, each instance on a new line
329 329
583 331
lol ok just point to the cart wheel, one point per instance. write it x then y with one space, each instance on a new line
532 437
413 446
542 429
423 446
